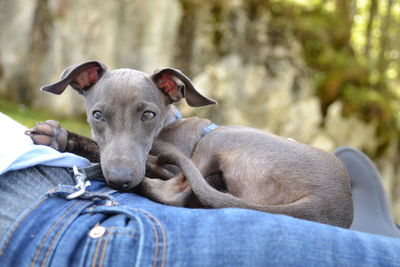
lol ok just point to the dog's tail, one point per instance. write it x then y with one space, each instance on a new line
211 197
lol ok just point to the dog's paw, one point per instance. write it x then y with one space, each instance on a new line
174 191
49 133
155 170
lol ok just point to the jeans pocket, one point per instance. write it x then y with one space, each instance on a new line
121 237
110 246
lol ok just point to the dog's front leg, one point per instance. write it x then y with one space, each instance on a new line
50 133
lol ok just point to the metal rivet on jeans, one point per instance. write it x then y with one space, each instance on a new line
108 203
97 231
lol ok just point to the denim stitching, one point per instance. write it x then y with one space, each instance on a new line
111 232
164 236
150 216
103 253
11 233
62 227
116 231
155 241
94 258
67 223
105 193
153 226
31 209
38 251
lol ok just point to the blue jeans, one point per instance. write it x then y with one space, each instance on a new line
110 228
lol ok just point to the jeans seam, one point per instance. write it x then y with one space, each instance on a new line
110 233
153 226
15 227
94 258
52 243
114 230
63 227
43 241
104 250
164 236
10 234
156 238
150 216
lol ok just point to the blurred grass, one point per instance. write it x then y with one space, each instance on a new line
30 116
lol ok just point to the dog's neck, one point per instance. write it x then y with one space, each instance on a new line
173 115
183 134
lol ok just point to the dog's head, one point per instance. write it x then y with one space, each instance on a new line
126 110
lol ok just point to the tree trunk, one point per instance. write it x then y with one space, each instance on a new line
373 10
384 42
345 10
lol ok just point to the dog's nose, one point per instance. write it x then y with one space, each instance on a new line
120 179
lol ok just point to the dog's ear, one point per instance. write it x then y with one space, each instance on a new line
176 85
81 77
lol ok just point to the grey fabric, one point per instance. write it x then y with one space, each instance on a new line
19 189
371 206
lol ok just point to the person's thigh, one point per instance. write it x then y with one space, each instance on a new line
19 189
239 237
110 228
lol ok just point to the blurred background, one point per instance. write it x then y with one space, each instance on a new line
324 72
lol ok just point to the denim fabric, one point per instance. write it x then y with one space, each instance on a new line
19 189
109 228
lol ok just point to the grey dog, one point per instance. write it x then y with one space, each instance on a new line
131 114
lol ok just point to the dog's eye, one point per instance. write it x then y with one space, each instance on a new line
97 115
148 116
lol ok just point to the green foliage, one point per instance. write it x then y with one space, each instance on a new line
30 116
339 65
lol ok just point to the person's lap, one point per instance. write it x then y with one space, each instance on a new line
19 189
114 228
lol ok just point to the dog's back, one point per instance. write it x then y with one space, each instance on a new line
267 170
